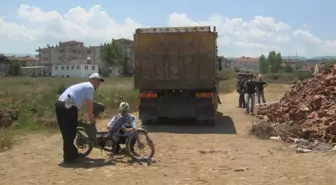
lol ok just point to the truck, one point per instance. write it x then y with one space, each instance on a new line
175 73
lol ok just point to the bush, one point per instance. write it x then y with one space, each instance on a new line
286 77
227 74
227 86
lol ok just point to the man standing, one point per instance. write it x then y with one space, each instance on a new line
260 90
250 89
241 91
67 107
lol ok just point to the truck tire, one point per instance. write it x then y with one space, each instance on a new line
146 121
211 122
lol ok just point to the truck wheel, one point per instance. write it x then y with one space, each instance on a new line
211 122
146 122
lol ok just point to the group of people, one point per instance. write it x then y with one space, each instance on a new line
248 88
73 99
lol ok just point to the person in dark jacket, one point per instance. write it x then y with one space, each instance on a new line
250 90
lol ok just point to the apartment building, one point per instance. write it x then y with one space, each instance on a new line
67 51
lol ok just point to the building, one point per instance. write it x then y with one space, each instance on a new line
74 71
246 63
75 50
68 51
4 63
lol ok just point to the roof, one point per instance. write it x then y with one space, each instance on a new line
71 41
3 59
245 59
28 59
34 67
124 41
22 59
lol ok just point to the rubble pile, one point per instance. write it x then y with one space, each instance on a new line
7 116
307 111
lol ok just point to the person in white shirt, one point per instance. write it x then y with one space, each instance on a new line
67 106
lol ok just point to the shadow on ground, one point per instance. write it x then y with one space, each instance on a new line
88 163
224 125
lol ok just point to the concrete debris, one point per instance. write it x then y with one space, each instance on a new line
307 111
278 138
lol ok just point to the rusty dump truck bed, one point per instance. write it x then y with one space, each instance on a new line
175 58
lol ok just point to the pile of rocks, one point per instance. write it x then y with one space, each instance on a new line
7 116
308 110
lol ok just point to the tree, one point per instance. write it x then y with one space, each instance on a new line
277 62
124 64
112 54
14 68
263 64
274 61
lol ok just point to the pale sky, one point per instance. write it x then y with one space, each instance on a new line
246 27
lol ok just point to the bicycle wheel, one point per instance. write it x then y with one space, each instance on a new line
135 147
83 145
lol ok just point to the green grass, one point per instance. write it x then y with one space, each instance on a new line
27 103
30 101
227 86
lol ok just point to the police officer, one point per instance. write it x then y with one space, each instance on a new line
67 107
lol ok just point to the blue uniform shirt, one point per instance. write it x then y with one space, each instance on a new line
79 93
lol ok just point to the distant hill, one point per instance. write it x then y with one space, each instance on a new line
18 54
324 57
301 57
294 57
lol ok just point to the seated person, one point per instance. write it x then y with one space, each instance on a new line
124 118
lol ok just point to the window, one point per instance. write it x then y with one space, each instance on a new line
62 67
67 67
56 67
86 67
77 67
72 67
93 67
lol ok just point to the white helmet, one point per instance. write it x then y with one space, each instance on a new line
123 106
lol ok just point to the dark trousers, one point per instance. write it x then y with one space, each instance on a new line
261 95
241 100
67 121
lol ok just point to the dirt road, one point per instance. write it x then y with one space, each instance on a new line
221 155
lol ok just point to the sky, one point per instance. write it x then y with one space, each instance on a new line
245 27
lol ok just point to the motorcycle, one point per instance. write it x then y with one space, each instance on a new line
88 138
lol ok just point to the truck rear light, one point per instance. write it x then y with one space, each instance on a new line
148 95
204 95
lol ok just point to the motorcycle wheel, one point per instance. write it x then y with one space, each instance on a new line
83 145
130 147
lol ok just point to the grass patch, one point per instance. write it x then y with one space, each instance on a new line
27 103
288 78
227 86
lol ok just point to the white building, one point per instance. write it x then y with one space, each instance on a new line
74 71
75 50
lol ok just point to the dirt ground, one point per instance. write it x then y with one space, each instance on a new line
186 154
